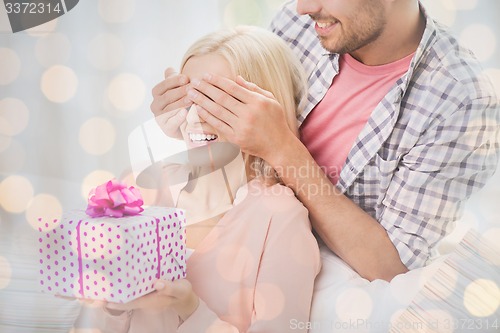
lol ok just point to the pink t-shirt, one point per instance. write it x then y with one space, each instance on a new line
332 127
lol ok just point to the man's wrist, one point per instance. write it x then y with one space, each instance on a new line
281 157
294 164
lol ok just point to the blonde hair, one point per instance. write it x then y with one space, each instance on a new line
260 57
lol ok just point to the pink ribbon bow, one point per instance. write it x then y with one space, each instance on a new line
114 199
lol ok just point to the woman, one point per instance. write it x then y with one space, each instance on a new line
254 258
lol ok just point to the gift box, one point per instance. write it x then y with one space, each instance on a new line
115 259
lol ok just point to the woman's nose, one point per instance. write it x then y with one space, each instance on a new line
192 116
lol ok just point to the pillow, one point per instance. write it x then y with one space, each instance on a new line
343 301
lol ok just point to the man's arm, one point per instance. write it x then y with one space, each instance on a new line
345 228
252 119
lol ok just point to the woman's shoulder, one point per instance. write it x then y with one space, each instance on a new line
278 192
276 198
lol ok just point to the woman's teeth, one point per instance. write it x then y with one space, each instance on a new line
197 137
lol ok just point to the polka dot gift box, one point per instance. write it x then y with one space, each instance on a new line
113 251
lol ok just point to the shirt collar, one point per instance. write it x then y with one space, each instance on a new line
428 39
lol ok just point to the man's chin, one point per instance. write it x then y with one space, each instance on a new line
327 45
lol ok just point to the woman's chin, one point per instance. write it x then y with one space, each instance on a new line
195 144
214 154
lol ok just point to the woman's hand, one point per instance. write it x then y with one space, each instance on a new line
177 295
170 103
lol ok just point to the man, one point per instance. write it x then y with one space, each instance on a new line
399 128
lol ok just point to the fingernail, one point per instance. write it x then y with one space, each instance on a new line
184 80
192 93
207 76
196 82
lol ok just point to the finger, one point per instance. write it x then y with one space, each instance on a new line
229 87
177 289
170 100
182 103
123 306
169 72
227 99
95 304
67 298
215 109
220 126
171 122
167 116
253 87
138 303
170 82
179 118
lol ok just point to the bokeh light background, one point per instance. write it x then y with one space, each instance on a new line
73 89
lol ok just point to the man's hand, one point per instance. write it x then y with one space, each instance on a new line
170 103
243 113
177 295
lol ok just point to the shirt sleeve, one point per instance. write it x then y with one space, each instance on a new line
116 323
138 321
453 159
284 287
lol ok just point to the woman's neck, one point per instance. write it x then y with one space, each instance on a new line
210 193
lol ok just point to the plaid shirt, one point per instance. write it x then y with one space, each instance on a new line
430 143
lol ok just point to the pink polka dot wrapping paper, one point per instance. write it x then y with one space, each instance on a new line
111 259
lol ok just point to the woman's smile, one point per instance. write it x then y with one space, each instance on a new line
199 138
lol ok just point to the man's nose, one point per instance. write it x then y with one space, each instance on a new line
307 7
